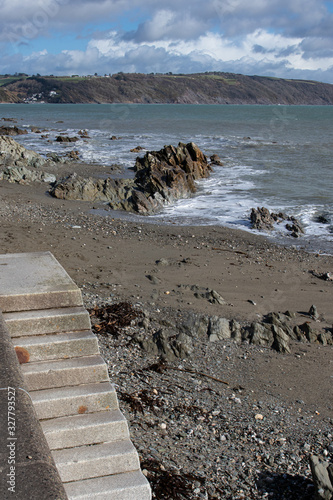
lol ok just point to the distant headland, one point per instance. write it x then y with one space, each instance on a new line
199 88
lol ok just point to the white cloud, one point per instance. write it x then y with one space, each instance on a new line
277 38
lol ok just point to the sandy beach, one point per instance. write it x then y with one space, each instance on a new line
157 268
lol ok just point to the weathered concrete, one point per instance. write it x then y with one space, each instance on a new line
51 403
98 460
70 389
26 462
58 346
39 322
35 281
126 486
65 372
80 430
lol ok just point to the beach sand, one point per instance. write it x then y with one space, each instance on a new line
112 259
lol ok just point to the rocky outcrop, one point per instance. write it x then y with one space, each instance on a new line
13 154
12 131
274 331
161 177
264 220
16 163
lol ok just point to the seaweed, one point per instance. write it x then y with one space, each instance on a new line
110 319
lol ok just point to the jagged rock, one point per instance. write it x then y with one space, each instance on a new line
12 131
13 154
263 220
169 174
281 339
261 334
161 177
321 478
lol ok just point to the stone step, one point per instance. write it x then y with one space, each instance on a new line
79 430
35 281
64 372
126 486
98 460
77 400
60 345
67 319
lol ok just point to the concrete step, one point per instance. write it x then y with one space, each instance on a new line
79 430
35 281
98 460
39 322
64 372
60 345
126 486
77 400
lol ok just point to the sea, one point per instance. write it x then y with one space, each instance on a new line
276 156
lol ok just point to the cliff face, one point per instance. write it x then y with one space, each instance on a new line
207 88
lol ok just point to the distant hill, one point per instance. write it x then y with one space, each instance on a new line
201 88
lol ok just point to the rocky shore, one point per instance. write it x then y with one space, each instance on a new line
220 346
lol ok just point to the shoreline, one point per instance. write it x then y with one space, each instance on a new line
247 439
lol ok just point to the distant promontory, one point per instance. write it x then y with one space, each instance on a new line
199 88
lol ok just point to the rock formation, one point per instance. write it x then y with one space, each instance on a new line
161 177
263 220
16 162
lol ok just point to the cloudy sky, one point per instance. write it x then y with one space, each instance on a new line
283 38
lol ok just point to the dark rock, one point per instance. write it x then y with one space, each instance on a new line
263 220
216 160
63 138
137 149
12 131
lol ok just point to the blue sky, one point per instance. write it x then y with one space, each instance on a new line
281 38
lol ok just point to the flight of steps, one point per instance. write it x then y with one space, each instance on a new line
72 395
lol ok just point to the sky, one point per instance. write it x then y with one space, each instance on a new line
279 38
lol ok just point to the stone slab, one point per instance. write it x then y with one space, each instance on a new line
86 398
126 486
79 430
35 281
86 462
58 346
46 321
64 372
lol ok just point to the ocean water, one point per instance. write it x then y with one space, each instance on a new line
280 157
